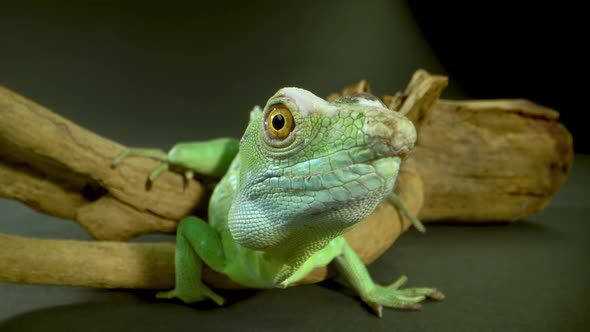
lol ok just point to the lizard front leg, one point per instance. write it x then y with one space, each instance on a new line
210 158
196 243
378 296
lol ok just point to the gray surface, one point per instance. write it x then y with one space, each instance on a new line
154 76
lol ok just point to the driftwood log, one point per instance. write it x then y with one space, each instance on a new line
475 161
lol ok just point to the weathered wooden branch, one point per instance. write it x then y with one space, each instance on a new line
497 160
474 161
59 168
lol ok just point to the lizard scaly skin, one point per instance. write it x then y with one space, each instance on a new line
307 171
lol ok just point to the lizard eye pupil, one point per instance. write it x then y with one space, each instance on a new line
278 122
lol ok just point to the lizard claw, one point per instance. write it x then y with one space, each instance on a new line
377 308
437 295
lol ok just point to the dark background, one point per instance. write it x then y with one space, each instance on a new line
514 49
153 74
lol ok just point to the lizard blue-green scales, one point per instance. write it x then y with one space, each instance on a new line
306 172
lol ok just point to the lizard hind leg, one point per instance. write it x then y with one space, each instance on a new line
196 244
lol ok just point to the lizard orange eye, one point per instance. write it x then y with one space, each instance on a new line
279 122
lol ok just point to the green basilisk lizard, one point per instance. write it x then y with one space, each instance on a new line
307 171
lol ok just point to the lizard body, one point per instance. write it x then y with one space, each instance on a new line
307 171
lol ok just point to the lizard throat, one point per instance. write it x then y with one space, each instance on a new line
266 218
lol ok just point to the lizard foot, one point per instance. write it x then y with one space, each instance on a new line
393 297
155 154
194 294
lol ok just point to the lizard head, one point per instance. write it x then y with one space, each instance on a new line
312 169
